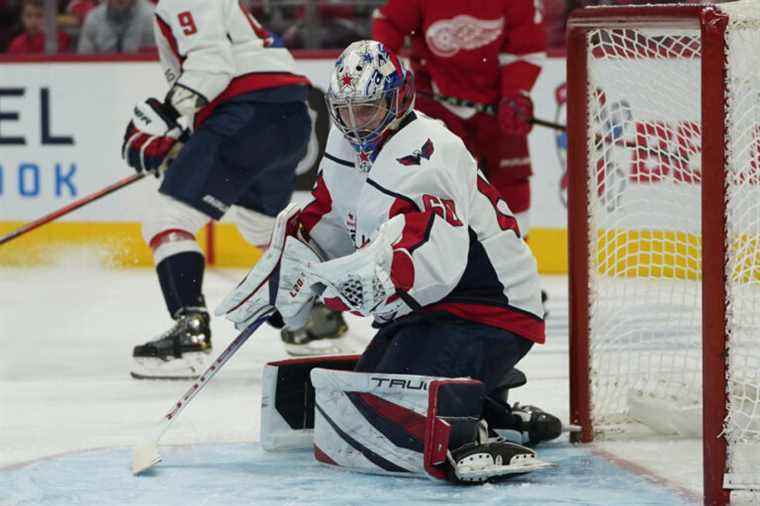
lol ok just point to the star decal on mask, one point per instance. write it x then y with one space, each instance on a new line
346 80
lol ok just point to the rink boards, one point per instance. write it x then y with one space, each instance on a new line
60 144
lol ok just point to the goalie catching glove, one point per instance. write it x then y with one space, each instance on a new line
152 136
278 279
359 282
291 276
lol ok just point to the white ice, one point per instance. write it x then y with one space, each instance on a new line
66 334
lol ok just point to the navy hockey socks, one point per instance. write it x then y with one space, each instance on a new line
181 280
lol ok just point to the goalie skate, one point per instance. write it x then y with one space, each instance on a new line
180 353
323 334
492 461
534 426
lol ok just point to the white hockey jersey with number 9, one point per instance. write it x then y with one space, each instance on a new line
460 249
218 50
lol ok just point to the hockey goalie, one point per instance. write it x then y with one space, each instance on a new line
402 226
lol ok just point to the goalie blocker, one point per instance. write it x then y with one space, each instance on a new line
385 423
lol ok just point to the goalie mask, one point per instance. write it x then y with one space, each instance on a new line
370 93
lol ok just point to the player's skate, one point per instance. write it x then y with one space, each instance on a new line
323 334
534 426
180 353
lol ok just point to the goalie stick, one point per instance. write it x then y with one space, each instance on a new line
145 455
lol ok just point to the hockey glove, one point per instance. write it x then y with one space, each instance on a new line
360 282
516 113
151 136
184 100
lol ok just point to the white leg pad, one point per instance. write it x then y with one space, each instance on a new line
388 423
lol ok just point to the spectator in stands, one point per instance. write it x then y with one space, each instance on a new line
32 40
79 9
8 17
329 24
118 26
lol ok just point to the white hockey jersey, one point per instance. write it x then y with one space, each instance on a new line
460 251
219 50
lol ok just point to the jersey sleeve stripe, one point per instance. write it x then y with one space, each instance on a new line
402 270
395 195
537 58
317 208
416 231
166 31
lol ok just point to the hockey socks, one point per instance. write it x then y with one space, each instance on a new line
181 280
182 351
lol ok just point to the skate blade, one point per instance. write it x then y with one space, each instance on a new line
189 366
327 346
479 473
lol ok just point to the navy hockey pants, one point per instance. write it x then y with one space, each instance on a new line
447 346
245 153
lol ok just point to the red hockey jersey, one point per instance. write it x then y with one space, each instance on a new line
471 49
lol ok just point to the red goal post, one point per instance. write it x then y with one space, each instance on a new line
664 230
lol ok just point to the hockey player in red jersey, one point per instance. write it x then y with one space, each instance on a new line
250 127
403 226
475 62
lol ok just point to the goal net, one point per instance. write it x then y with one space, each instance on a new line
664 224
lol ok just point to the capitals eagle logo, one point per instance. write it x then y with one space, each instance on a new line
426 151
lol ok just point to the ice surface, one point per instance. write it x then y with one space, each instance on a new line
67 332
242 474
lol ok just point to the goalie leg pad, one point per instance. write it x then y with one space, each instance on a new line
391 423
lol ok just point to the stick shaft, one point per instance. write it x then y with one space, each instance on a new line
71 207
489 109
196 387
548 124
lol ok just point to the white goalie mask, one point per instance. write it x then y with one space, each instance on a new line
370 92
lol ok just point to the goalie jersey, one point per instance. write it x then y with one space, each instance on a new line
460 250
218 50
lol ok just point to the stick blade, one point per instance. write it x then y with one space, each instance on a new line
144 456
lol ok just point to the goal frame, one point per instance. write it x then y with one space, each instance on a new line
712 24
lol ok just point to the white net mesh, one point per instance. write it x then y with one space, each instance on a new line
644 177
742 427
